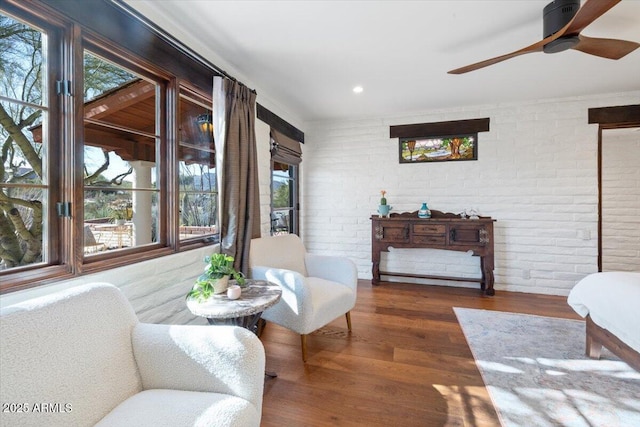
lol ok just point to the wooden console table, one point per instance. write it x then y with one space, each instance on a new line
441 231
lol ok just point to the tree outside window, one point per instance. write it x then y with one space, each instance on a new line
23 165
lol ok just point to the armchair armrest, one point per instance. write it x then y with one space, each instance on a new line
335 268
222 359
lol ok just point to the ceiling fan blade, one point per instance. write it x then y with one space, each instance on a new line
491 61
536 47
589 12
606 48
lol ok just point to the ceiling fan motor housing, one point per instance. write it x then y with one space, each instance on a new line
556 15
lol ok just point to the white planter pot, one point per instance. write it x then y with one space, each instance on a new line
220 285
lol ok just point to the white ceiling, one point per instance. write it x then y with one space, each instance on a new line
306 56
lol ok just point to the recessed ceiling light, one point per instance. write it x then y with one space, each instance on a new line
358 89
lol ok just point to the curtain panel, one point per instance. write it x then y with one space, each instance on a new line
237 169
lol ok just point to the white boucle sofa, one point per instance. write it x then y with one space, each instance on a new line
81 358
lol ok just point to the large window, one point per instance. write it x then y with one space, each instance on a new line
24 148
121 193
107 155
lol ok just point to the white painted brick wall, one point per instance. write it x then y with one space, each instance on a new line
263 146
621 201
536 174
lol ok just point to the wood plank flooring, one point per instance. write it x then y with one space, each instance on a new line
406 363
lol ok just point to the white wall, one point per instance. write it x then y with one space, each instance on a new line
621 201
264 174
156 288
536 174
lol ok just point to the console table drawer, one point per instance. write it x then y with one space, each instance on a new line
429 239
392 233
429 229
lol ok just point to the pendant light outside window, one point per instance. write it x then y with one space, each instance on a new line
205 126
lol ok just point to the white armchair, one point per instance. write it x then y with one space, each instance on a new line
316 289
82 358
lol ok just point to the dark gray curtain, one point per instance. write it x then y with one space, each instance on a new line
240 193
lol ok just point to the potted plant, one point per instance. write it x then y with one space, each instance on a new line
120 212
215 278
383 208
119 217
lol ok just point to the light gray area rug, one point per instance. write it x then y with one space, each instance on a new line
538 375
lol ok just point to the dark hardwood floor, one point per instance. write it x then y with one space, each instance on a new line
406 363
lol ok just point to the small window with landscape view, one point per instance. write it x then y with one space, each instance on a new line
284 198
196 168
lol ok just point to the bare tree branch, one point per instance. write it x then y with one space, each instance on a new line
9 202
88 180
21 141
119 178
10 251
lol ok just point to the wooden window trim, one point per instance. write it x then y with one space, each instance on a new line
439 129
106 19
279 124
615 117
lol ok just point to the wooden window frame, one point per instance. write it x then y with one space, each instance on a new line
618 117
95 26
163 81
192 243
58 260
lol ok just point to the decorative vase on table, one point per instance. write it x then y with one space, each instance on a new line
424 211
383 208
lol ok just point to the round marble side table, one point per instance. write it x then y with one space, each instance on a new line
256 297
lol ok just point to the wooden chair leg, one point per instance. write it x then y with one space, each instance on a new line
348 316
303 341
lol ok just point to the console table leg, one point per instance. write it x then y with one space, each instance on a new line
376 273
489 279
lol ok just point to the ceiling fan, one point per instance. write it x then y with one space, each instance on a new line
563 20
